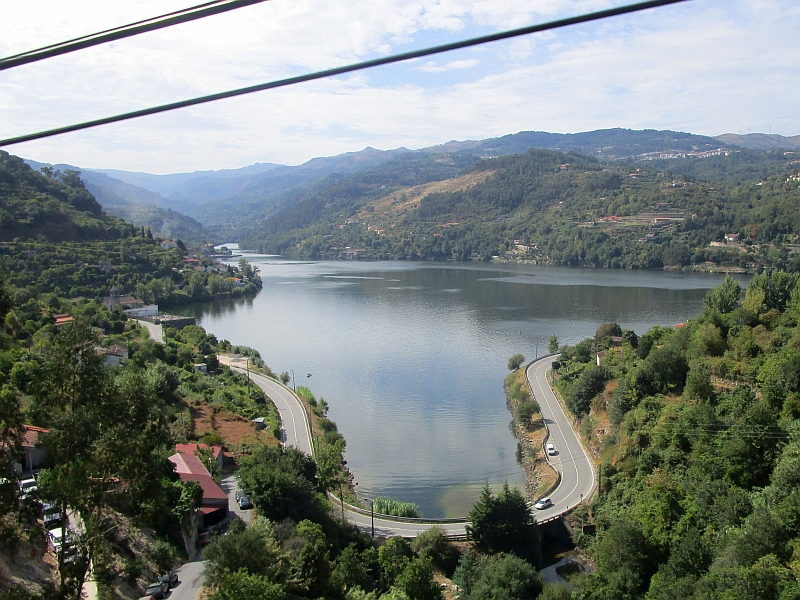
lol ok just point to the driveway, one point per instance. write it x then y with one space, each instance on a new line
229 486
190 576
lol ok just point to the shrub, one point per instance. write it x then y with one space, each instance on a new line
387 506
515 362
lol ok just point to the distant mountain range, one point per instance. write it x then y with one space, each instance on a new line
213 204
761 141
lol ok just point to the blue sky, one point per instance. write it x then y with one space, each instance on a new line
706 66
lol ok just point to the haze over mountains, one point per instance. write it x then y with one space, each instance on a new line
209 204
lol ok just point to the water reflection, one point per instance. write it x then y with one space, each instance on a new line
411 356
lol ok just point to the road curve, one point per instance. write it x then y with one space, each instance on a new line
296 432
572 461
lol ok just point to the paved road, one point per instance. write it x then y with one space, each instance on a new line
156 333
230 485
293 416
190 576
577 473
572 461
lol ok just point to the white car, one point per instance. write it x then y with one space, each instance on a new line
57 539
543 503
551 450
27 487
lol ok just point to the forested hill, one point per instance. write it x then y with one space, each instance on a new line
56 206
547 206
605 143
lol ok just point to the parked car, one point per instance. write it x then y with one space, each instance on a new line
170 579
27 488
52 519
244 502
158 590
59 539
239 494
551 450
543 503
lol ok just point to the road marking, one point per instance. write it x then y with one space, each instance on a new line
539 370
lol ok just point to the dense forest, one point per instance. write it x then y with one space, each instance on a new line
549 207
696 432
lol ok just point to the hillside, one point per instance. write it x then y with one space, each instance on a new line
137 205
695 433
547 206
761 141
56 206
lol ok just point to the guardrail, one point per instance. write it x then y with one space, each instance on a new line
367 513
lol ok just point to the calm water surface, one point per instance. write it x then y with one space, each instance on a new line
411 356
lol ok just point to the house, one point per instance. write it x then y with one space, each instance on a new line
116 301
214 505
202 368
116 354
62 319
616 340
168 245
216 451
732 237
259 423
33 453
150 310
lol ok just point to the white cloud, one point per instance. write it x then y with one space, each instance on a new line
432 67
710 67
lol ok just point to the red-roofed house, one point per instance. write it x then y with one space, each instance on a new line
62 319
216 451
214 507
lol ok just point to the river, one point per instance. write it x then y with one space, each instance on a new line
411 356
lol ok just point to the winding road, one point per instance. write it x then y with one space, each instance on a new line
572 461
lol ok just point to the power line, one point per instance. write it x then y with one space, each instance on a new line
185 15
595 16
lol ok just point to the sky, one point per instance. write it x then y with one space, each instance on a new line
706 67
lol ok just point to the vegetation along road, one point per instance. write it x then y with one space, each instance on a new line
572 462
574 465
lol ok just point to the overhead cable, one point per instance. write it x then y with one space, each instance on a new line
394 58
185 15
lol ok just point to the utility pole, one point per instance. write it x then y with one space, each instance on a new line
294 387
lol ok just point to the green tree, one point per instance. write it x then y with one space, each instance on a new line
434 544
349 570
625 560
242 585
503 524
310 568
607 330
103 430
515 362
417 580
10 447
725 297
393 556
507 577
250 550
552 344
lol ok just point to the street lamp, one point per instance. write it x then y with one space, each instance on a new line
294 388
372 514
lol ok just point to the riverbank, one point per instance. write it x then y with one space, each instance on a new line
530 431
